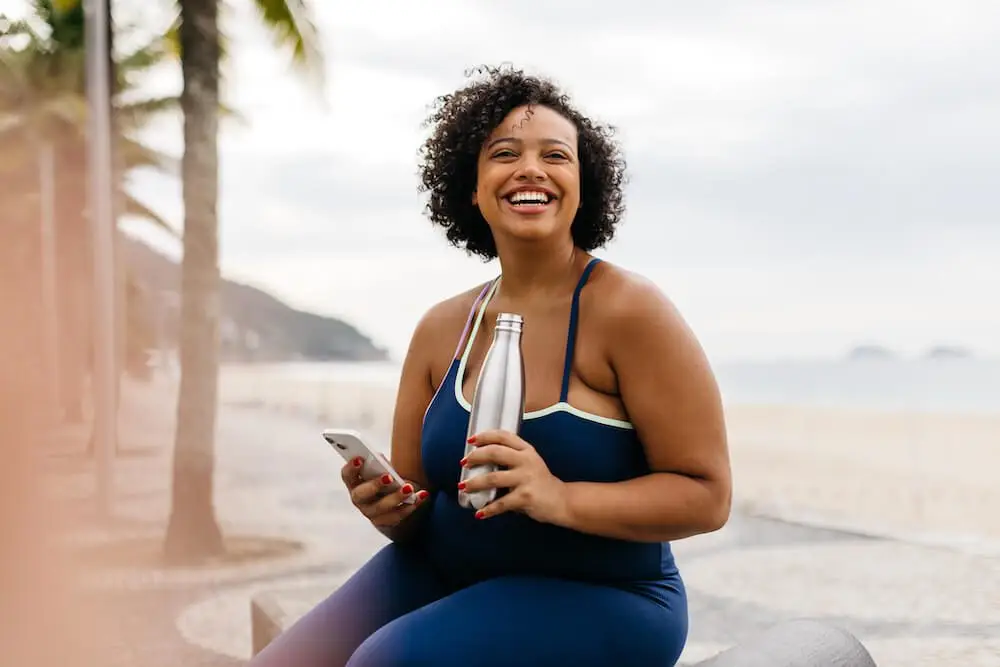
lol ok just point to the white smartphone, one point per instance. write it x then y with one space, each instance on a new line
350 445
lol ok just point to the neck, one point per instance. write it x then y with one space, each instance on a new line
538 271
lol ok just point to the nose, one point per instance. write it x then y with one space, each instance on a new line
530 170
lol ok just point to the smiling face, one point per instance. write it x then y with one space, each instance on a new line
528 179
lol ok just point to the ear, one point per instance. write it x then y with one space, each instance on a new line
475 198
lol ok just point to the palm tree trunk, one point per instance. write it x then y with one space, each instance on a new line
193 532
74 273
116 209
118 181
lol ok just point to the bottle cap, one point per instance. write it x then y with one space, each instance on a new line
510 322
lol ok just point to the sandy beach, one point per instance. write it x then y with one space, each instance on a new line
900 475
914 475
907 474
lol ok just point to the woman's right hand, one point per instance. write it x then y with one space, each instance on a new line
383 511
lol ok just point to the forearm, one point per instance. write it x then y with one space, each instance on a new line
659 507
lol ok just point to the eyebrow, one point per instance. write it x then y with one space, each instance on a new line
513 140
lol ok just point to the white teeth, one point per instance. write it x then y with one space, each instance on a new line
529 197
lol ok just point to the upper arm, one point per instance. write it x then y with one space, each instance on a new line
430 345
668 387
412 398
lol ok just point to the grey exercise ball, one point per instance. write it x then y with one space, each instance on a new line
798 643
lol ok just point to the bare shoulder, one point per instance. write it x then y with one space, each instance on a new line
438 331
447 316
654 353
632 304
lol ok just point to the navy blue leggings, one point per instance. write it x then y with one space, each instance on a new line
397 612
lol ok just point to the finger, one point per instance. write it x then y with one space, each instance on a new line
498 454
508 503
397 514
366 493
375 489
351 471
498 437
391 500
501 479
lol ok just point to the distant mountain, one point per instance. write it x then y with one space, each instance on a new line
863 352
949 352
255 325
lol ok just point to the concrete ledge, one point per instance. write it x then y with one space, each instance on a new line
266 622
798 643
273 612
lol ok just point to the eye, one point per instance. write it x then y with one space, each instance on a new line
557 155
504 153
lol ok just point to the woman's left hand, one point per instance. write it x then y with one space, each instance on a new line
532 489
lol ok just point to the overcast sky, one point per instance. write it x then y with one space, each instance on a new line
804 175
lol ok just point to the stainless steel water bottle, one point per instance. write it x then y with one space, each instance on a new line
498 402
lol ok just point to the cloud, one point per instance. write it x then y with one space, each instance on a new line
795 166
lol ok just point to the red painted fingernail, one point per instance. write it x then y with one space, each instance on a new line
422 495
386 479
461 485
407 489
463 462
358 462
472 439
479 514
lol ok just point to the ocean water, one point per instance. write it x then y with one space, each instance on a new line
933 385
965 386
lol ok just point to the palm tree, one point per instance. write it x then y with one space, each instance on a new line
193 532
44 99
43 107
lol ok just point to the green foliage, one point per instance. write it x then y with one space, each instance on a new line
43 96
292 25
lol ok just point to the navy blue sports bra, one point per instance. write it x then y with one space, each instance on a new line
576 446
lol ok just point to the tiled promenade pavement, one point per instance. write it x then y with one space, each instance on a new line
911 605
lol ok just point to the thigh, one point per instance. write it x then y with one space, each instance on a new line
395 581
531 621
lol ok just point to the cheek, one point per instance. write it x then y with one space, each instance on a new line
484 187
571 186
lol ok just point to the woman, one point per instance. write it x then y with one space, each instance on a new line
623 445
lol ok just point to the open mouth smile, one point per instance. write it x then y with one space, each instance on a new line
529 201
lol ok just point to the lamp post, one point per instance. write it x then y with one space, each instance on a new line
102 224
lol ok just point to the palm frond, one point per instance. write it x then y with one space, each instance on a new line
19 28
135 155
64 5
172 36
67 21
292 25
149 55
136 208
230 113
140 112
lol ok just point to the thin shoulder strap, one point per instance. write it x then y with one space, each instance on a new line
474 313
574 316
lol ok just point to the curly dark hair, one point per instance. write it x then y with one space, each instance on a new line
464 119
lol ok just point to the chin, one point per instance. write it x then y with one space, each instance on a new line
531 231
